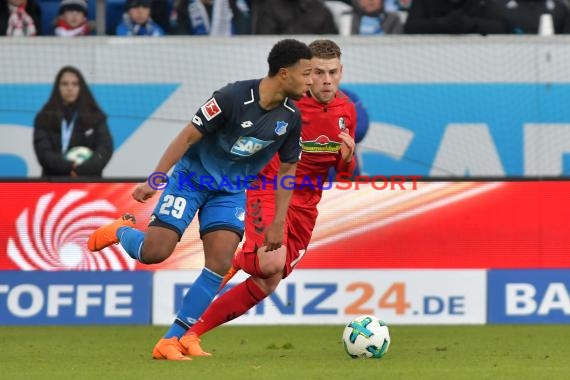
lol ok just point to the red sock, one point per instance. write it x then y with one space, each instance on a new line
229 305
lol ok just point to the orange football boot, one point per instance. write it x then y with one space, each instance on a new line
106 235
191 345
169 349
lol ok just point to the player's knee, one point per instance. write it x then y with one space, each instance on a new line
268 285
153 252
271 262
219 250
219 264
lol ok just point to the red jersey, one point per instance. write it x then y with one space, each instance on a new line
321 125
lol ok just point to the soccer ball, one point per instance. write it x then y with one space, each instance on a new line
366 337
78 154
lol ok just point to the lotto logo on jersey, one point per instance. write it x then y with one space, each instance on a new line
246 146
211 109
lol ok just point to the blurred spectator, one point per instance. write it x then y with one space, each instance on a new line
160 13
209 17
523 16
241 10
137 20
221 18
398 5
71 118
20 18
292 17
349 2
370 18
72 20
454 17
193 16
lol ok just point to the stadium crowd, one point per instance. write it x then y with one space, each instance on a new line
242 17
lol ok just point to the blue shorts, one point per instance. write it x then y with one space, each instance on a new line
217 210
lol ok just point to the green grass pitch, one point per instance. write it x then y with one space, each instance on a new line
288 352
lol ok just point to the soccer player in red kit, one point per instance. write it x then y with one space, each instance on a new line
328 128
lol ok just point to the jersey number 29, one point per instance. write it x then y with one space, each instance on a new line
174 206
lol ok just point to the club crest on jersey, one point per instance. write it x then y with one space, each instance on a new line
211 109
281 128
246 146
341 123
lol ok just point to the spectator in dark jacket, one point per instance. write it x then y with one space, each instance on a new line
70 118
454 17
523 16
207 17
292 17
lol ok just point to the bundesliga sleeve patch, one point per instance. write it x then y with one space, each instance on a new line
211 109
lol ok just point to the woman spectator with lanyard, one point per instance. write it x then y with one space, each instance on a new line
71 118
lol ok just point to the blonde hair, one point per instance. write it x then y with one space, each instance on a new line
325 49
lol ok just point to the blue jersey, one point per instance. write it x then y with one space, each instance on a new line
240 137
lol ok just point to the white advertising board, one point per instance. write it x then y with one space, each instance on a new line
336 296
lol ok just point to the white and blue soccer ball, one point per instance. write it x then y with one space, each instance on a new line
78 154
366 337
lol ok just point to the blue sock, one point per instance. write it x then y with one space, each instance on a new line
131 239
195 302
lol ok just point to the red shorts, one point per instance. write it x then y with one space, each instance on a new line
260 212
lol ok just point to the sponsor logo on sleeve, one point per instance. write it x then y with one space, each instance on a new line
211 109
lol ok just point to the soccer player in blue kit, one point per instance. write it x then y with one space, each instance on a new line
232 136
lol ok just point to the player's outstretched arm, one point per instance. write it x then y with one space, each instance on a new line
283 193
188 136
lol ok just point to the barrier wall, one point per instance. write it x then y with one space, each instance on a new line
307 297
430 225
430 253
439 106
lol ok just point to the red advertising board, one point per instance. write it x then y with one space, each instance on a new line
438 225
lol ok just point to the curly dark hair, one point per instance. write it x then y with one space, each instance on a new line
287 53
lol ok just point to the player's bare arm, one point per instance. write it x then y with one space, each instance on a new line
188 136
275 231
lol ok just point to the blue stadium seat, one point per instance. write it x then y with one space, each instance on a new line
50 10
